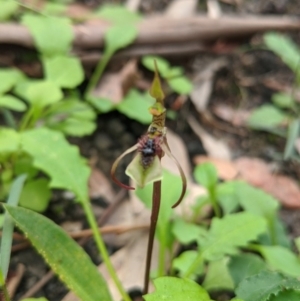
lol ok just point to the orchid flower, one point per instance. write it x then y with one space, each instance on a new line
146 167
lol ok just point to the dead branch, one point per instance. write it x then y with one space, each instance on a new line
161 30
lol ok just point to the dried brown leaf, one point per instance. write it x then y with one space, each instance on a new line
237 117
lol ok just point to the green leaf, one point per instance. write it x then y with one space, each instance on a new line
162 64
39 93
36 195
8 8
293 132
217 276
186 232
245 265
266 116
261 286
65 256
184 260
285 48
103 105
9 140
226 196
64 71
52 153
23 165
12 103
206 175
52 35
289 295
181 85
135 106
230 232
283 100
118 14
176 289
281 259
119 36
8 78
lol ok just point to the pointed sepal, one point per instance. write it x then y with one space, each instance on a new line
156 90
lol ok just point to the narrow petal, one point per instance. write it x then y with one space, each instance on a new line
116 163
144 175
166 149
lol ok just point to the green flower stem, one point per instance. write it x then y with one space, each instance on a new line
156 196
194 266
98 72
102 249
3 287
214 202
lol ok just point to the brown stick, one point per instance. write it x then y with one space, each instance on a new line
157 30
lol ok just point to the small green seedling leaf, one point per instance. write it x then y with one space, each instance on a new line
64 71
52 35
293 132
281 259
9 140
226 196
290 295
103 105
36 195
206 175
24 165
283 100
285 48
261 286
60 160
119 36
117 14
163 65
176 289
12 103
217 276
266 116
135 106
8 8
39 93
186 232
184 260
245 265
65 257
181 85
9 77
230 232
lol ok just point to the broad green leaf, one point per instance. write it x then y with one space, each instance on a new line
245 265
36 195
75 127
119 36
103 105
281 259
66 257
8 8
39 93
290 295
52 35
266 116
217 276
9 140
135 106
64 71
283 100
52 153
12 103
285 48
261 286
206 175
8 225
181 85
293 132
186 232
118 14
226 196
8 78
23 165
230 232
162 64
176 289
184 261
